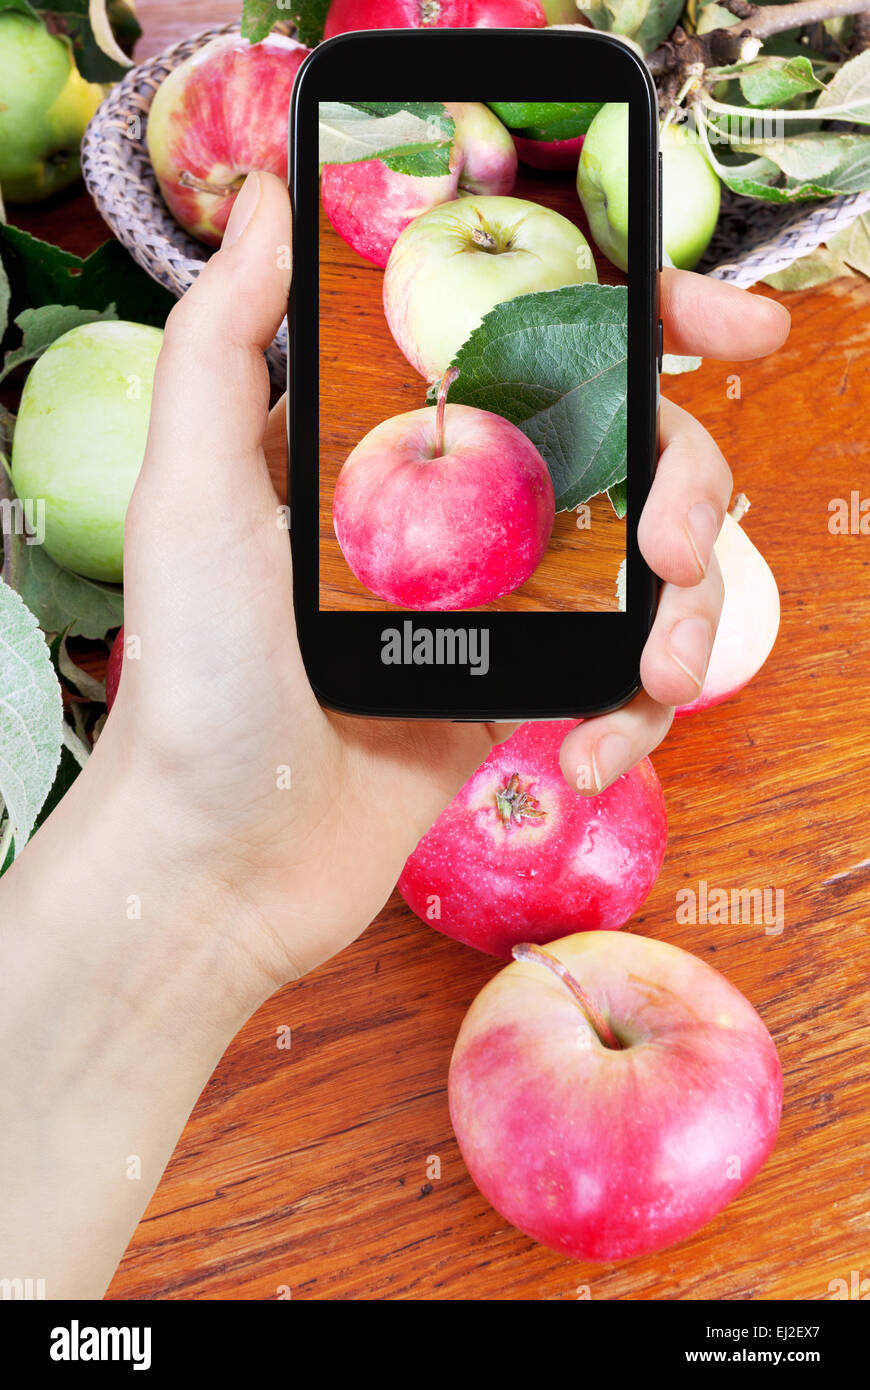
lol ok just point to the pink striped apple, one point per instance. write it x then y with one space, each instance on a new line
347 15
611 1094
217 116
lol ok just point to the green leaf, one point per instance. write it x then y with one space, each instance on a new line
547 120
816 268
853 244
411 137
817 164
61 599
31 714
554 363
772 81
259 17
40 328
41 274
71 19
849 87
618 495
660 19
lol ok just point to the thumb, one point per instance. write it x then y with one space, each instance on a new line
211 386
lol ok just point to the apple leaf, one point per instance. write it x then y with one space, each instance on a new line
41 274
62 600
547 120
41 327
771 81
853 244
554 364
818 164
259 17
90 32
816 268
31 716
411 137
618 495
849 88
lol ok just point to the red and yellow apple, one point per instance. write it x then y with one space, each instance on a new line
217 116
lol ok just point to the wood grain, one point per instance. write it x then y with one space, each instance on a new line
307 1168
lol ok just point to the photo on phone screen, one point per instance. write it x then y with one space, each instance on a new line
473 355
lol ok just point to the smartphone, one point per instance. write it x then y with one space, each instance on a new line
473 371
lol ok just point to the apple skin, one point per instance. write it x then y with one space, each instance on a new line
690 192
80 438
606 1154
436 532
749 623
556 156
561 11
113 669
369 204
346 16
577 863
217 116
456 262
44 108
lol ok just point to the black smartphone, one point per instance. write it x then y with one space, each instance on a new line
473 371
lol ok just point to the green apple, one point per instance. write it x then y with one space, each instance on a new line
45 105
80 437
690 192
561 11
453 264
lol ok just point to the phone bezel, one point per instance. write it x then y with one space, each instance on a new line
539 666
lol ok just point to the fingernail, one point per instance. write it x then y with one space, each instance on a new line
702 528
611 757
689 645
243 209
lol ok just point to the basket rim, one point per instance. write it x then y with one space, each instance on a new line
182 257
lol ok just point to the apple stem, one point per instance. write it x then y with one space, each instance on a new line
445 384
740 507
220 190
531 954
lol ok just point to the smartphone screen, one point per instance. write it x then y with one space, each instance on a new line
473 397
458 253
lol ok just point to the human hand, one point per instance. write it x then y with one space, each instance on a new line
219 707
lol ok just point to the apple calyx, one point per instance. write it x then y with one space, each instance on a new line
220 190
443 387
515 804
530 954
484 239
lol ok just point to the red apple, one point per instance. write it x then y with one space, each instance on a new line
611 1094
557 156
750 617
347 15
369 204
113 669
217 116
519 855
446 507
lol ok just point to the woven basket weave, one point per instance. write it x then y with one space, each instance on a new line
752 239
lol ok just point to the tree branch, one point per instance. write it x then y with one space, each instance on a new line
722 46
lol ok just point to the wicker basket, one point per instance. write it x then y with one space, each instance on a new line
752 239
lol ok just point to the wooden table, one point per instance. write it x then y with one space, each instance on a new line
310 1169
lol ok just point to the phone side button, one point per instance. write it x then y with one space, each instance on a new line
661 345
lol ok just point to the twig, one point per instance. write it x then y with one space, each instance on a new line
722 46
